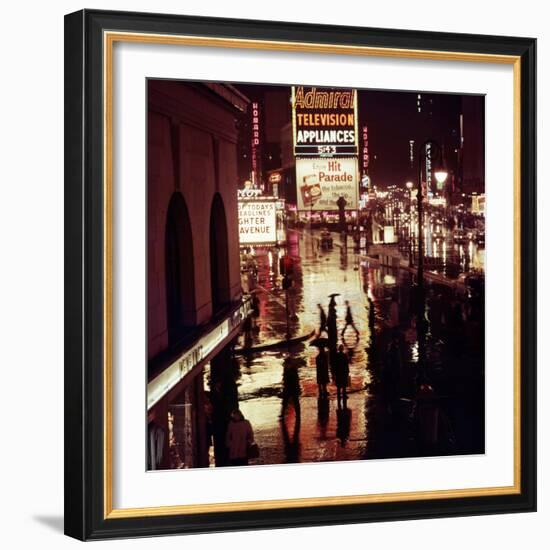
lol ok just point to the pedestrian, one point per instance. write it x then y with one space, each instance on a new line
341 374
322 319
239 438
349 321
291 386
321 363
332 330
247 327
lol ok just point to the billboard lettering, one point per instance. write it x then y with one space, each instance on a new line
257 221
324 122
321 182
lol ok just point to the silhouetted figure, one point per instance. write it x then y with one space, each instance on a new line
349 321
343 423
291 387
323 409
341 203
331 328
292 444
247 328
322 319
224 397
321 363
238 439
341 374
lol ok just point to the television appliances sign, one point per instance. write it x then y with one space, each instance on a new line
324 122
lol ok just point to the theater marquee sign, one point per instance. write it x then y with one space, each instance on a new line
324 122
257 221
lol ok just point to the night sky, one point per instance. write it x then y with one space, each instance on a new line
393 118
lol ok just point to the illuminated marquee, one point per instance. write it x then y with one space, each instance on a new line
255 145
324 122
257 221
365 158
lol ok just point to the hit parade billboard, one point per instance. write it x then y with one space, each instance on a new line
322 181
324 122
257 221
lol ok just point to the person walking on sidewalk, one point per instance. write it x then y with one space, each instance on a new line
291 386
331 325
349 321
238 439
341 374
322 320
321 363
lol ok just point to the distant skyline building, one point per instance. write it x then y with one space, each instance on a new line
473 144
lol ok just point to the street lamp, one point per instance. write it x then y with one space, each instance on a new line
436 166
409 185
436 160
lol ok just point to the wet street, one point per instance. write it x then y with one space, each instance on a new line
392 409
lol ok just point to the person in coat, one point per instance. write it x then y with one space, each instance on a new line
321 363
341 374
349 321
239 438
322 320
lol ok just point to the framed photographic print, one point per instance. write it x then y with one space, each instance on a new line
300 274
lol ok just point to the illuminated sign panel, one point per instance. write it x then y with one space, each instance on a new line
324 122
365 159
257 221
255 144
428 168
322 181
196 354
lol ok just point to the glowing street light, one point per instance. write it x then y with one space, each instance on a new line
441 176
409 185
435 152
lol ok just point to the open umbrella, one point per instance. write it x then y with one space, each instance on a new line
319 342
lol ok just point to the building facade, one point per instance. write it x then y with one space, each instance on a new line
194 296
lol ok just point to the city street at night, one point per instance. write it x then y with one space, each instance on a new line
316 274
371 424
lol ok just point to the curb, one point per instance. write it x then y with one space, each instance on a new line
275 344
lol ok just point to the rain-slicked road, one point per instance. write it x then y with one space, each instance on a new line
384 416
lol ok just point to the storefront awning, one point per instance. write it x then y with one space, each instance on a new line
205 346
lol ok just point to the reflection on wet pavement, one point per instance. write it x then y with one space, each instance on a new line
371 424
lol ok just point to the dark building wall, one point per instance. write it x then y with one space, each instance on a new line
192 140
473 147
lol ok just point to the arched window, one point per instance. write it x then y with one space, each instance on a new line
219 256
180 270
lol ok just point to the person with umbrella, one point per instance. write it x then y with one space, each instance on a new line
322 320
321 363
331 322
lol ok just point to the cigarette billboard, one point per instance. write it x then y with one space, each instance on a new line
324 122
322 181
257 221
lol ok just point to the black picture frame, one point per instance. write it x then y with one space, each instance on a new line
85 516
